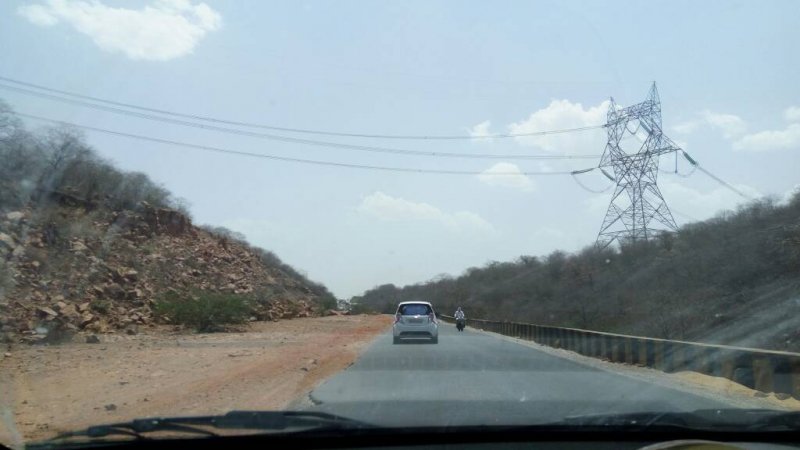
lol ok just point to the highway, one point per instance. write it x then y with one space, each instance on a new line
474 378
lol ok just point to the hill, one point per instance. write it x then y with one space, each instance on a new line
733 279
85 246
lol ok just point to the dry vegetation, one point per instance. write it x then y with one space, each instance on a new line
85 247
733 279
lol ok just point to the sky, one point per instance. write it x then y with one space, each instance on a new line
726 72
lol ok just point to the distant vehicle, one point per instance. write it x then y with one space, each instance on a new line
415 320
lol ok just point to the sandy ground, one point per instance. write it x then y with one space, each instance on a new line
47 390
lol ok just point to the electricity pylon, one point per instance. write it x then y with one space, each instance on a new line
641 213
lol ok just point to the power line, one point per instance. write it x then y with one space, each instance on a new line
293 140
682 175
719 180
587 188
282 158
298 130
724 183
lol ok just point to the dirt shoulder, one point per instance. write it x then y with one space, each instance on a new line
46 390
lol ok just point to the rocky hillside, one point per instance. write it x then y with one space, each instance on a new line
87 247
104 271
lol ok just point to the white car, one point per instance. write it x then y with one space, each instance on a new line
415 320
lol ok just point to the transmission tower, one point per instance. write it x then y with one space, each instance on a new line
637 211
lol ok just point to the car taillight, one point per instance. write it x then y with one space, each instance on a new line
432 317
397 318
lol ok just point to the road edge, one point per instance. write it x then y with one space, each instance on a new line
644 374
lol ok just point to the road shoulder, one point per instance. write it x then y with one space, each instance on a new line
712 388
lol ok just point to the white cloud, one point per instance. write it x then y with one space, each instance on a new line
480 130
763 141
561 114
686 127
38 15
394 209
506 175
161 31
730 125
792 114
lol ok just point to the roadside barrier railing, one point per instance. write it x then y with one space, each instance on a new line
763 370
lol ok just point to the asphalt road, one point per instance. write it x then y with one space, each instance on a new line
475 378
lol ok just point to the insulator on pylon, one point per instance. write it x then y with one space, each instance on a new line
689 158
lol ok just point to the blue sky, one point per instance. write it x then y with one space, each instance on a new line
727 73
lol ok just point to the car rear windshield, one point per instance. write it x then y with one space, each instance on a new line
415 310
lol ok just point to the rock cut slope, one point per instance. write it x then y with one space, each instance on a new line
69 267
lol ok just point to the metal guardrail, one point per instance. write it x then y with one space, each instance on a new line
762 370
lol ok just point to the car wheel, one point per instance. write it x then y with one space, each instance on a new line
395 340
435 340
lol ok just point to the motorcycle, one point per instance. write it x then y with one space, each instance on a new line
460 324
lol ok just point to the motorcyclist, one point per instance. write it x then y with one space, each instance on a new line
461 319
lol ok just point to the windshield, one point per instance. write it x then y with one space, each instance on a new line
210 207
414 310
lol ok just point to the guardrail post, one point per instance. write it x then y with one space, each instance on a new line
667 348
782 374
794 367
762 374
659 362
629 350
703 361
575 341
613 348
588 344
595 346
679 357
603 346
727 365
644 352
743 370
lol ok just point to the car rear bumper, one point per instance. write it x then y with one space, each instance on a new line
427 331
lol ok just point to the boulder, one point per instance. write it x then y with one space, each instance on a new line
130 274
45 312
7 242
78 246
86 319
15 216
114 291
69 311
